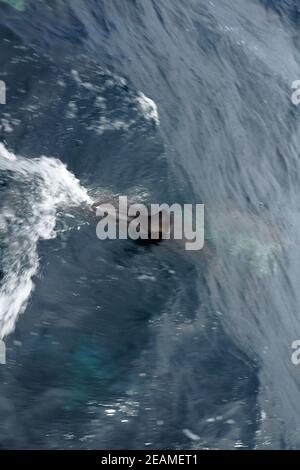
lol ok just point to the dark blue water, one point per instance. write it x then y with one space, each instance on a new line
113 345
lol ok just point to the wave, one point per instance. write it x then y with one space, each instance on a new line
227 135
26 218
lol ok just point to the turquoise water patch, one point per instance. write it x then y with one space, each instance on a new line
17 4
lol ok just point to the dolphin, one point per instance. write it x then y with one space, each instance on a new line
158 225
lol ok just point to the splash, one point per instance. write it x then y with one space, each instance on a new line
148 108
38 189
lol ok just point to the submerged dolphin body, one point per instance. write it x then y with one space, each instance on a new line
157 227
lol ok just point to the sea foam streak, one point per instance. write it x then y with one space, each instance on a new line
38 189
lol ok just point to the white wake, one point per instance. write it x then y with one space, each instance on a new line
36 190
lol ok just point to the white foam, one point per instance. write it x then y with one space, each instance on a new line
40 187
106 124
4 153
190 435
148 108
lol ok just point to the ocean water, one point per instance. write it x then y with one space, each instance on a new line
116 345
